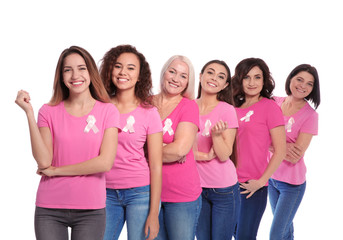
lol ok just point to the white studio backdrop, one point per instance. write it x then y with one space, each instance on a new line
284 34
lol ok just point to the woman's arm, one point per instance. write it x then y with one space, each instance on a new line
101 163
223 139
278 136
295 151
154 142
202 156
185 135
41 139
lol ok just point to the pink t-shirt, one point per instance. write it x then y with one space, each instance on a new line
73 144
180 181
253 138
130 167
215 173
303 121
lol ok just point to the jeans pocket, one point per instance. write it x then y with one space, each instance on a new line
223 191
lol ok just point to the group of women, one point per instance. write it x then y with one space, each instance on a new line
171 167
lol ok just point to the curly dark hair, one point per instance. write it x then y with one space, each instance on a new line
242 69
225 94
143 88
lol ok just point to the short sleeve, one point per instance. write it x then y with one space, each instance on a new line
190 113
43 116
274 115
154 121
112 117
230 116
311 124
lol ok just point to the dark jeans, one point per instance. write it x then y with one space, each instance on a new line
251 213
52 224
219 213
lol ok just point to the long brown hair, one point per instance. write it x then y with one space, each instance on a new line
242 69
225 94
96 87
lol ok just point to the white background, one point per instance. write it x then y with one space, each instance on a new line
283 33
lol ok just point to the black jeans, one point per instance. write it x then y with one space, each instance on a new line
85 224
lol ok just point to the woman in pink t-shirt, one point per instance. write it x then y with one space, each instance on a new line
288 183
181 200
133 185
218 178
260 125
73 143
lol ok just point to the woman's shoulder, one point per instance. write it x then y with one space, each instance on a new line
225 106
188 102
47 107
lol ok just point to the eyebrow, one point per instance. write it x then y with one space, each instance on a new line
177 71
81 65
130 64
215 70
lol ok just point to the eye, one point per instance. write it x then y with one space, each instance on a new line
299 79
246 77
221 77
171 71
66 70
131 68
209 72
83 68
117 66
184 76
310 84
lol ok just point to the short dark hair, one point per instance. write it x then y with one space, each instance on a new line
314 96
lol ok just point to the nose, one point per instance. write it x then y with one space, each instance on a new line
75 74
122 71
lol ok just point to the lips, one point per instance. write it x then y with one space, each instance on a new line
123 80
299 90
211 84
76 83
173 85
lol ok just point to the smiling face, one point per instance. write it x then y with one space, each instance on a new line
75 74
253 82
175 78
213 79
125 71
302 85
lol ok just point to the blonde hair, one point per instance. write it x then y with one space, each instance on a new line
189 91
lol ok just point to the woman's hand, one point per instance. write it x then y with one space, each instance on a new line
152 227
251 187
23 101
219 128
211 154
49 172
293 153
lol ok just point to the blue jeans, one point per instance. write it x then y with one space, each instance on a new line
251 213
285 200
130 205
179 220
219 213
